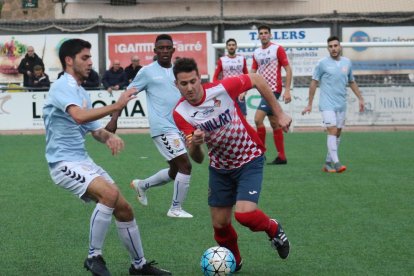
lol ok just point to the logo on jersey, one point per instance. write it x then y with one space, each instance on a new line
217 122
194 114
217 103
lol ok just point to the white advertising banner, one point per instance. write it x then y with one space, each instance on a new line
380 60
302 60
383 106
23 111
13 48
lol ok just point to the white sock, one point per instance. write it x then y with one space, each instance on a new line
158 179
333 148
328 158
181 186
99 225
129 234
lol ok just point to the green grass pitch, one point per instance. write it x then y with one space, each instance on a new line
356 223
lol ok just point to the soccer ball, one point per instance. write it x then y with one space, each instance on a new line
218 261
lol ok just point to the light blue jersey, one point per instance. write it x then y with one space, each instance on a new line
65 139
162 96
333 76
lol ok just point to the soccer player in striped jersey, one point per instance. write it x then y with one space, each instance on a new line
208 113
333 73
232 65
268 61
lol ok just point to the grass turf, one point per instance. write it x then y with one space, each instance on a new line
357 222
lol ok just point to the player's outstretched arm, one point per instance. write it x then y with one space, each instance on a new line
84 115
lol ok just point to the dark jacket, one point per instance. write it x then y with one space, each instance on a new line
41 82
27 64
92 81
112 78
131 72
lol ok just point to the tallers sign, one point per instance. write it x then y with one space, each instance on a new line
187 44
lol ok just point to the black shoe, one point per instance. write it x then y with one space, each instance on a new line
278 161
97 266
148 269
280 242
239 266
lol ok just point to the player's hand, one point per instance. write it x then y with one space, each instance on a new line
198 137
284 121
115 143
126 96
287 97
361 105
307 109
242 96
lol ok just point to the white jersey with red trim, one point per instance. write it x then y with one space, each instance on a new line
231 141
268 62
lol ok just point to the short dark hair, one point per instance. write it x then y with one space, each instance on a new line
263 27
37 67
332 38
72 47
230 40
163 37
185 65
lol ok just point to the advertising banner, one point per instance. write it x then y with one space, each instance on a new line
13 48
23 111
380 60
123 46
302 60
383 106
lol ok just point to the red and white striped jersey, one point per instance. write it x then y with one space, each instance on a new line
230 67
268 62
231 141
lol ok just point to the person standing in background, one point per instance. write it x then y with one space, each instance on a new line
114 78
28 63
132 69
232 65
333 73
268 61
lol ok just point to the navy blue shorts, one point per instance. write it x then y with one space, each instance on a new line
265 107
242 105
228 186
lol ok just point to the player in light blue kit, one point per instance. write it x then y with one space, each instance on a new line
333 73
68 117
157 80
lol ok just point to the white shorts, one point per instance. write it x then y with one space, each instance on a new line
76 176
170 145
333 118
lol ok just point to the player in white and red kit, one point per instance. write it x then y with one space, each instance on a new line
232 65
268 61
208 113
